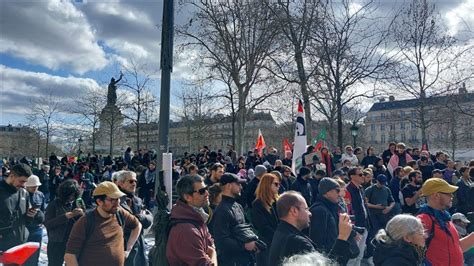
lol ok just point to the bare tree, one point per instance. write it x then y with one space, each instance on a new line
89 107
235 37
44 114
426 53
353 51
293 64
137 81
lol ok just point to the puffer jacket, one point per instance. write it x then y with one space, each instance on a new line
396 255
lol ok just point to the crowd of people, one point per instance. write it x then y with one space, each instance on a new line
401 206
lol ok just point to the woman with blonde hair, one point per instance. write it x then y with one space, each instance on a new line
264 215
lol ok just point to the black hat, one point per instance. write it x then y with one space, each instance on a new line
228 178
304 171
327 184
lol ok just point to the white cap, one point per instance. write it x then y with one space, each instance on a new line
33 181
460 216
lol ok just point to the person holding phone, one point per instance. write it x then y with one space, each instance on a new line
37 207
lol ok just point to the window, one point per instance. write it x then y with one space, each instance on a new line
402 114
392 127
382 116
402 125
382 138
382 127
372 127
403 138
413 125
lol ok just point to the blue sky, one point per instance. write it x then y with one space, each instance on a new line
70 47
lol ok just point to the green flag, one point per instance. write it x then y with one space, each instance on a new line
321 136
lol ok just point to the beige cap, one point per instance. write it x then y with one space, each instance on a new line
109 189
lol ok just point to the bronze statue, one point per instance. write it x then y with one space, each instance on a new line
112 90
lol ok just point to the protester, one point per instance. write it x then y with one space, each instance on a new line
411 193
217 170
54 181
37 201
294 217
380 202
15 210
249 192
402 242
465 193
443 244
60 216
190 243
350 156
127 183
146 184
227 217
105 244
302 184
264 214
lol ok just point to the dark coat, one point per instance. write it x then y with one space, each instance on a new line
249 191
13 219
56 223
303 187
357 205
324 224
227 215
137 254
264 221
396 255
291 241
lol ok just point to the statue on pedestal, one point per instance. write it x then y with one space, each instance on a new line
112 90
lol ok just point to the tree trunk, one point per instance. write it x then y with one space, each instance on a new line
339 121
47 143
93 139
304 93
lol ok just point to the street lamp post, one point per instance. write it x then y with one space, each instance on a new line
354 132
80 140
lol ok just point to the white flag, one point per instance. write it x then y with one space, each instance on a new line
299 146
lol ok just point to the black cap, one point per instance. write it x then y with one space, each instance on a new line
228 178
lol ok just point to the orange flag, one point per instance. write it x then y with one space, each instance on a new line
260 143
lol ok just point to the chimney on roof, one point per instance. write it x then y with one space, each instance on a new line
391 98
463 89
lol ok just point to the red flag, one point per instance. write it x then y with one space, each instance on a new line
319 145
260 143
287 146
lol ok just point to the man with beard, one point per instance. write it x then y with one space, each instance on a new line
411 193
105 244
127 182
227 216
189 240
443 244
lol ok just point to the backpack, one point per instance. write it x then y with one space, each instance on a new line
162 224
90 224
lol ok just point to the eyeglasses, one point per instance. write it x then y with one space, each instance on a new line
299 208
113 201
338 190
132 181
277 184
201 191
447 194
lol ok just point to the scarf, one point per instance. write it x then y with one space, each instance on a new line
327 161
442 217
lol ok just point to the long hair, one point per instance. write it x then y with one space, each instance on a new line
264 190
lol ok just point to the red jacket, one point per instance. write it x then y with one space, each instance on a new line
187 244
444 249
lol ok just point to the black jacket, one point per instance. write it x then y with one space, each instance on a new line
303 187
137 255
227 215
292 241
358 205
264 221
249 191
324 224
396 255
13 219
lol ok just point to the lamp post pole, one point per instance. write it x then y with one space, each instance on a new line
354 133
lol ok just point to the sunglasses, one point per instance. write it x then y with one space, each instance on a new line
201 191
132 181
277 184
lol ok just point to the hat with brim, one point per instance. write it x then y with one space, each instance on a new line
437 185
109 189
461 217
228 178
33 181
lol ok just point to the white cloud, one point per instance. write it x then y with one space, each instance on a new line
51 33
19 88
460 18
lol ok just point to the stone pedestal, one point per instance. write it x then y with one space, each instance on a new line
110 135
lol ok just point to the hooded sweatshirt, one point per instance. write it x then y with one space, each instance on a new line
188 244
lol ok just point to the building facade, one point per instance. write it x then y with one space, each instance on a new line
448 121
